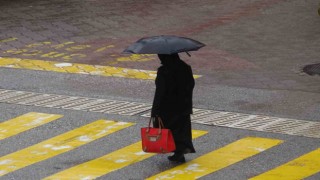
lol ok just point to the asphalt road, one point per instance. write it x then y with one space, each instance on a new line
251 64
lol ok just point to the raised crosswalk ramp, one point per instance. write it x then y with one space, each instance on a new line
214 160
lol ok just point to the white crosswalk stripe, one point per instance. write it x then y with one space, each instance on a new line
201 116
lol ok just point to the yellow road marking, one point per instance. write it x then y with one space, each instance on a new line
59 144
76 68
137 58
110 162
104 48
219 159
7 40
25 122
299 168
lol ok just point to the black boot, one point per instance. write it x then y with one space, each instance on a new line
177 157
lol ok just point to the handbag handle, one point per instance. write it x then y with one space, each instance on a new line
160 124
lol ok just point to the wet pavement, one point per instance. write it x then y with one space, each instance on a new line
259 44
252 64
243 37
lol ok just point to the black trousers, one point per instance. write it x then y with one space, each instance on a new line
180 125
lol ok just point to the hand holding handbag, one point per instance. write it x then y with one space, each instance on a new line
157 140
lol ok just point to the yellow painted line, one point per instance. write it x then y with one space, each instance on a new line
110 162
219 159
300 168
25 122
59 144
137 58
8 40
76 68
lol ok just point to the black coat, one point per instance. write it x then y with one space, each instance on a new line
173 102
174 89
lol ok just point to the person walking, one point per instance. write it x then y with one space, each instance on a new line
173 102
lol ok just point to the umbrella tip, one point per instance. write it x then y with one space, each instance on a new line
188 54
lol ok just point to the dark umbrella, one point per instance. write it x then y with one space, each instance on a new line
164 45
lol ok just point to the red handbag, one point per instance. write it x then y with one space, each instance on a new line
157 140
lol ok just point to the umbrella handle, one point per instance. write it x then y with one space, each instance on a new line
188 54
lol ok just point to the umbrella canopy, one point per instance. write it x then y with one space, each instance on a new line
164 45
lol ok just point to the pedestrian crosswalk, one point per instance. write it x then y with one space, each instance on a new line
223 157
110 162
24 123
59 144
299 168
214 160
